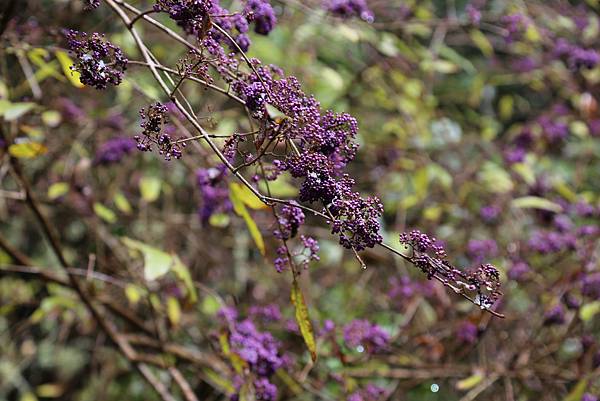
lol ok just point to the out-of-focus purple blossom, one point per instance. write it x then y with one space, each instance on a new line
69 110
467 332
370 393
563 223
516 24
264 390
583 58
99 62
594 127
214 192
269 313
328 327
262 14
571 301
479 250
489 213
584 209
551 241
515 155
228 313
589 397
553 129
349 9
591 285
114 150
473 13
292 326
259 349
362 334
555 316
524 64
519 271
588 230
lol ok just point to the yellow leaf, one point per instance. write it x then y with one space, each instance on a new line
57 190
122 203
133 293
173 311
66 63
240 210
27 149
578 390
303 319
105 213
150 188
469 382
244 193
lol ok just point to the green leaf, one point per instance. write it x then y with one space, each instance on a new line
482 42
66 63
469 382
27 149
183 273
122 203
150 188
219 220
534 202
105 213
303 319
156 262
57 190
240 210
12 111
589 310
578 390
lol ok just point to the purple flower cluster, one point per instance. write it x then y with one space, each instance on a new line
349 9
591 285
489 213
473 13
261 13
289 220
467 332
311 246
370 393
113 150
479 250
516 24
545 242
519 271
214 192
261 351
268 313
555 316
153 120
575 56
99 62
363 335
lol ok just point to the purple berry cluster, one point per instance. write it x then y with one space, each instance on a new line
575 56
197 17
290 218
153 120
99 62
114 150
262 14
363 335
323 145
349 9
428 255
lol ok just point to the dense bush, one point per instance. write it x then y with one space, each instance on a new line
305 200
